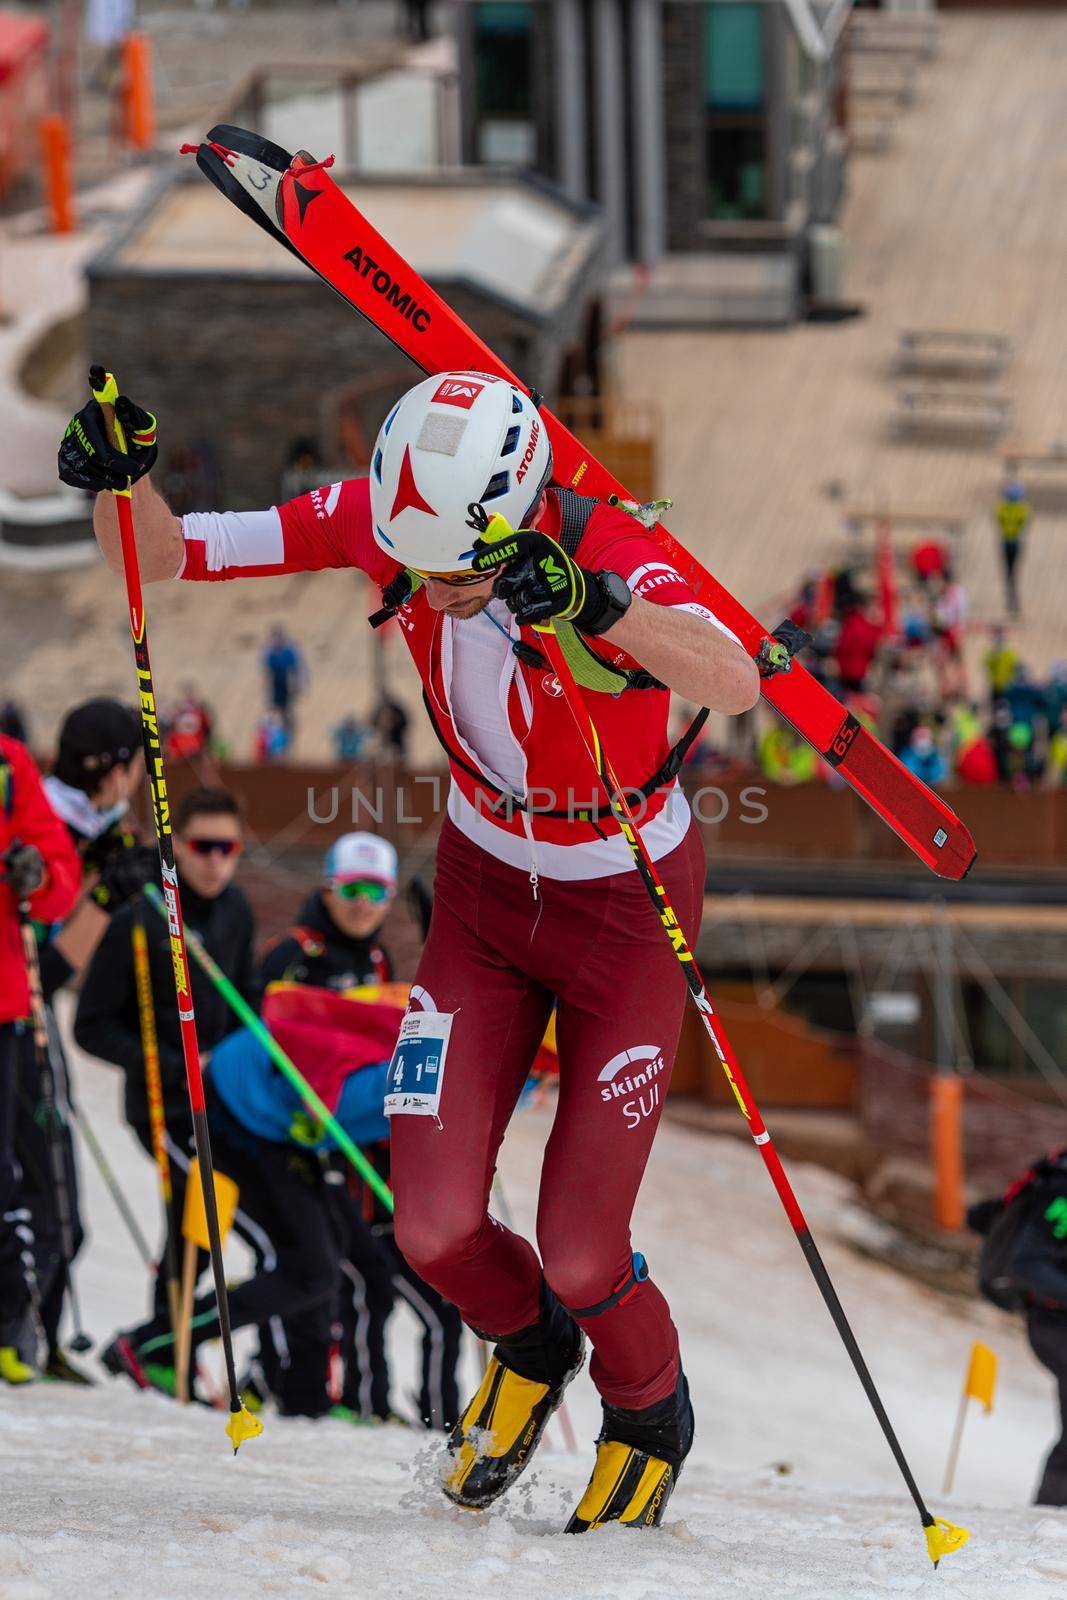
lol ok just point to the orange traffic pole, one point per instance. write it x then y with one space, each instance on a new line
946 1142
137 86
59 186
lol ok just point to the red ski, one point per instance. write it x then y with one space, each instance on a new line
297 201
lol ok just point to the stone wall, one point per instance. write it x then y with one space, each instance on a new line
238 368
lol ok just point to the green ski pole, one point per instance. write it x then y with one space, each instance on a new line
239 1005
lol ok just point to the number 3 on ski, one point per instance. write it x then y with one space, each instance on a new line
296 201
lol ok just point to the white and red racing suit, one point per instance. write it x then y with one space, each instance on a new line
536 901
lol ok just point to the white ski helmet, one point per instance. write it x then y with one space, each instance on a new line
456 441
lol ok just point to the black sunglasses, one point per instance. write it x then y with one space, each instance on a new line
211 847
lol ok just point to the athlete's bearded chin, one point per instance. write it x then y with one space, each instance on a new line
468 608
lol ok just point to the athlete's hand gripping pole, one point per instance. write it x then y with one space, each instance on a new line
242 1425
941 1537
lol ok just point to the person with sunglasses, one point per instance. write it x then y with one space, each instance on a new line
207 850
536 898
336 946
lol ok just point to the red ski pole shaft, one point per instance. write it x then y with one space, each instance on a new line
105 392
673 930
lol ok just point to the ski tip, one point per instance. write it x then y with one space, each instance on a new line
956 853
943 1539
241 1426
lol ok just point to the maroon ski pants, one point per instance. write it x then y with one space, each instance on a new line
496 958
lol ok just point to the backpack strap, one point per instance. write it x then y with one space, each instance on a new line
589 668
575 511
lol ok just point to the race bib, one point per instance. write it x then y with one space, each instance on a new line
417 1070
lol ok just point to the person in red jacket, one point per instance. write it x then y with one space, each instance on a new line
537 900
39 868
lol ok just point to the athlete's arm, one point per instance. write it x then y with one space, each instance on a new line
160 546
666 630
689 654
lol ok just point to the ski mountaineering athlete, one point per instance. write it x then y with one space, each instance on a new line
536 901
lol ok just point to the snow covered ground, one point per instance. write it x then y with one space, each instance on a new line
790 1490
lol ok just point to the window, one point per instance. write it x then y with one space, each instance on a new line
503 36
735 112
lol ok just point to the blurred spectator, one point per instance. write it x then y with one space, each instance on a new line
922 757
390 724
1056 757
974 756
1056 693
857 642
785 757
1025 700
806 611
1014 515
950 619
12 722
271 738
286 678
189 728
929 560
1015 748
915 630
349 736
1000 663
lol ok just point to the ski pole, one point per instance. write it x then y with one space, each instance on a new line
146 1012
941 1537
80 1340
111 1183
242 1425
289 1070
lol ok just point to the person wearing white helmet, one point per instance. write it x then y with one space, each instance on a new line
473 440
537 904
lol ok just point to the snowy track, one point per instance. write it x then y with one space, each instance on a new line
113 1495
150 1504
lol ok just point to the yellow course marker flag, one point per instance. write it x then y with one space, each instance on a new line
194 1217
981 1375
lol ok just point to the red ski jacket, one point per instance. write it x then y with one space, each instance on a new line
26 815
331 527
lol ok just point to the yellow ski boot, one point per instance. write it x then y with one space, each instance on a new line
501 1428
638 1458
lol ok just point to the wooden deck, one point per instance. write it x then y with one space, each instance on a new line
960 226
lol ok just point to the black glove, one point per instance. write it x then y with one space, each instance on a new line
23 869
88 459
124 868
538 582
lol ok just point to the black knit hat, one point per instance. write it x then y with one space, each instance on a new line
95 737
